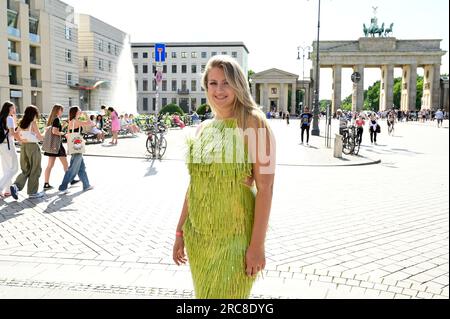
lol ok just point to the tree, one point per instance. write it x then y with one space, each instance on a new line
172 109
249 76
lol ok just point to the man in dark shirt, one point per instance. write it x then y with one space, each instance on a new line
305 122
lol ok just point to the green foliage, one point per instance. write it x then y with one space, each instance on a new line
172 109
324 104
202 109
372 97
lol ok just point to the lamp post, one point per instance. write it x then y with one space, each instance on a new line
315 130
303 49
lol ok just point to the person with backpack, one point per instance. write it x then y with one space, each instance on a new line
305 122
30 155
8 154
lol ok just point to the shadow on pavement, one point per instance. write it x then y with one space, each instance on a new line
58 204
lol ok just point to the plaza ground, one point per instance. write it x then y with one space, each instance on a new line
336 230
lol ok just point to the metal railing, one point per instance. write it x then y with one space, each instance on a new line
183 92
14 56
15 81
35 38
13 32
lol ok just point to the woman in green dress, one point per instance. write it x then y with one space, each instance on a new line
231 163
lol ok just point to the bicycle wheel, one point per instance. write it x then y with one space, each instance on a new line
357 147
348 145
151 145
162 146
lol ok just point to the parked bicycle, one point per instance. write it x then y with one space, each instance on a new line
156 142
350 142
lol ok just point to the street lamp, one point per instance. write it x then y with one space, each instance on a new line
315 130
303 49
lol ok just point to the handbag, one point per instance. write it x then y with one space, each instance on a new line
378 129
75 142
52 142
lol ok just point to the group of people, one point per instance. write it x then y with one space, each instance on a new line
27 133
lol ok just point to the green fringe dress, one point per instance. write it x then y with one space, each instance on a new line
221 208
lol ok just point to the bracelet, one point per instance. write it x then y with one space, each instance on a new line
179 234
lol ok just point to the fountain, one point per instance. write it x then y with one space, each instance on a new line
124 95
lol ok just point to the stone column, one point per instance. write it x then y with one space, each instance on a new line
337 88
409 88
254 90
265 101
261 94
294 98
435 87
387 87
358 90
283 98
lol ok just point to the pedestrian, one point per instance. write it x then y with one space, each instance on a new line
287 118
343 121
54 124
374 128
305 122
77 166
8 154
30 155
439 117
226 210
360 128
115 125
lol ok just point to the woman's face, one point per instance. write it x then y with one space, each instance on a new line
219 90
60 112
12 110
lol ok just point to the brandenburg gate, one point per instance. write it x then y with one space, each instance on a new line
385 53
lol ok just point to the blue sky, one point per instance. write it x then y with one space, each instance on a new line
272 30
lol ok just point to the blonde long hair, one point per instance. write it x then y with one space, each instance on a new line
55 110
245 107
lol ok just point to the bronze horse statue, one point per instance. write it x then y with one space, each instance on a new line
389 30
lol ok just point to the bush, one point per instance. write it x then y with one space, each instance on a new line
202 109
172 109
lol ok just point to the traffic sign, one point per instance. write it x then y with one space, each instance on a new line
160 52
356 77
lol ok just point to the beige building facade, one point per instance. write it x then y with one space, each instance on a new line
271 89
100 46
38 53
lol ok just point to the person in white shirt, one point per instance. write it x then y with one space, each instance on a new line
8 154
439 117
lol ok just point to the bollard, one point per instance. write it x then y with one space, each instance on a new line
338 146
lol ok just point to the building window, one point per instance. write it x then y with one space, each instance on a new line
135 55
136 69
204 55
194 103
109 48
174 68
85 63
145 104
110 66
183 85
234 55
145 55
116 50
154 104
203 67
194 55
213 53
68 55
174 100
154 69
164 85
184 68
164 101
194 85
145 69
69 78
100 64
70 102
203 101
194 68
274 91
174 55
145 85
100 45
164 68
154 85
184 55
68 33
174 85
224 53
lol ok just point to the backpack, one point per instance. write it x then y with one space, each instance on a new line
3 135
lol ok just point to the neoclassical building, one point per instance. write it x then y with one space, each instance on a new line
271 90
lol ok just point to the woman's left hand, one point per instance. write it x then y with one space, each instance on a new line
255 260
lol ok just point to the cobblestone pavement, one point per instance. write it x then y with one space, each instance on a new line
373 231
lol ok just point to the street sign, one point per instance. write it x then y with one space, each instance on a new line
356 77
160 52
159 76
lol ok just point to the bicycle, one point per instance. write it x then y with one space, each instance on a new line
156 143
350 142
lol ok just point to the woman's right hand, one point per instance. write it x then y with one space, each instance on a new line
179 256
